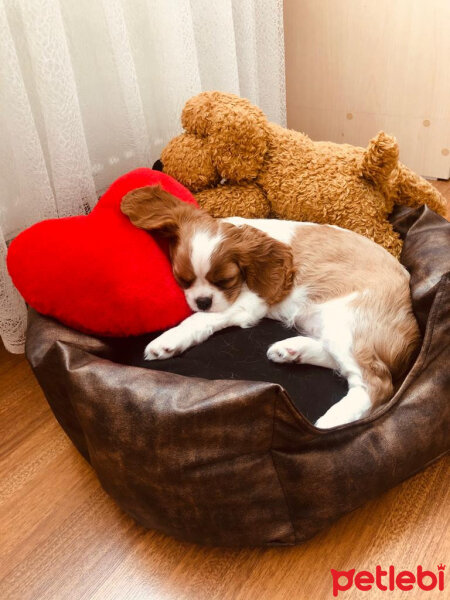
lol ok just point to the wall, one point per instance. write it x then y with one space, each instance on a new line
354 67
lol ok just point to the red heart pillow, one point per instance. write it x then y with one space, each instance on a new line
99 273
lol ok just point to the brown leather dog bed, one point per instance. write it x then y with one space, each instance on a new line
217 446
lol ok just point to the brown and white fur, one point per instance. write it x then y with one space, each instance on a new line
348 296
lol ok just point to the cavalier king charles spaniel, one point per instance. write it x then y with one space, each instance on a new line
348 297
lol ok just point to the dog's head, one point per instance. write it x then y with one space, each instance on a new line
212 260
226 139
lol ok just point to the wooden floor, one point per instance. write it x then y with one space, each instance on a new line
61 537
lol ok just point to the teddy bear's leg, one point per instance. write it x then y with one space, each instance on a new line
235 200
400 185
409 189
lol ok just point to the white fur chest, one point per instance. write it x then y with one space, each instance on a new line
293 310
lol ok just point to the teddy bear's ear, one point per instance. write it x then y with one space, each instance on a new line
235 131
196 114
188 159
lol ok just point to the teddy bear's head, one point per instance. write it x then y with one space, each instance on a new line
226 139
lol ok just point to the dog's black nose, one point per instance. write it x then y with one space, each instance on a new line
204 302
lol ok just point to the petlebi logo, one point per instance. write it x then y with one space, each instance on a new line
388 580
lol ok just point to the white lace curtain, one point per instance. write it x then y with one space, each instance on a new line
90 89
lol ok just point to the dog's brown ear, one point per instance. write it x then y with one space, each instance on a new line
154 209
266 263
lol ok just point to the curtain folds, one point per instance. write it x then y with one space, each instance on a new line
93 88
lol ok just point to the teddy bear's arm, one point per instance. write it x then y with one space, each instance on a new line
245 200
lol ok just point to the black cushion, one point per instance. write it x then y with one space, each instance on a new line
240 354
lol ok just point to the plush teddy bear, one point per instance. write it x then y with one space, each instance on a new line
237 163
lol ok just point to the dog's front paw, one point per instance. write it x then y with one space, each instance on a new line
282 352
168 344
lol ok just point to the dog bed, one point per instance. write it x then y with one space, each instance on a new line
217 446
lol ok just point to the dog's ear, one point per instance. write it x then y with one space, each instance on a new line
267 264
154 209
236 132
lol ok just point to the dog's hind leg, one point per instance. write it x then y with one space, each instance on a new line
369 382
337 329
357 403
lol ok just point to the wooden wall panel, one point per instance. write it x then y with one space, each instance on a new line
354 67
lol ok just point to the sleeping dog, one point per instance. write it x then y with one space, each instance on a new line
348 296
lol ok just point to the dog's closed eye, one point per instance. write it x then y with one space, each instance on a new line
225 283
184 283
